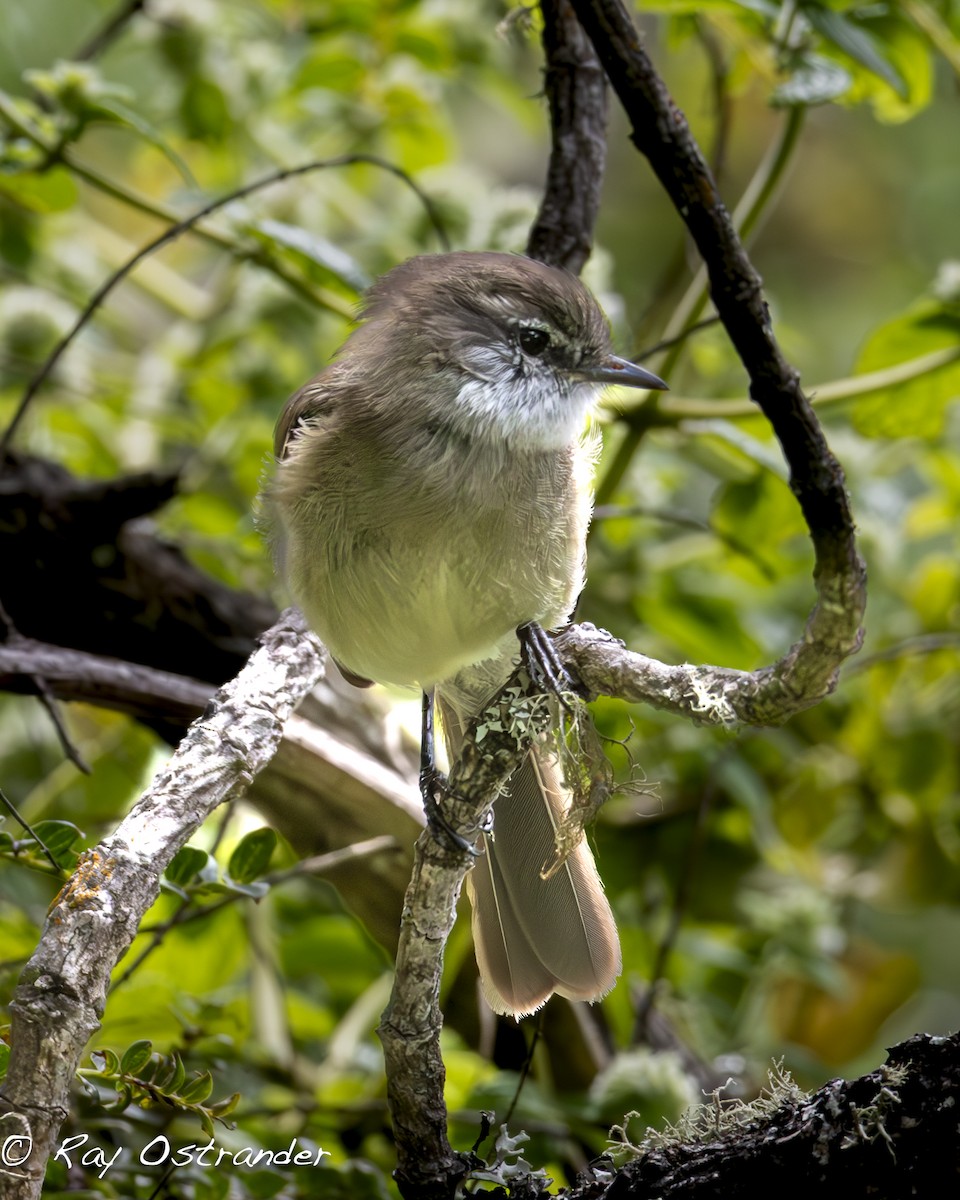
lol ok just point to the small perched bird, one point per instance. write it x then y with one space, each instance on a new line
431 496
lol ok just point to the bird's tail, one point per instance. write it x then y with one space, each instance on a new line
535 936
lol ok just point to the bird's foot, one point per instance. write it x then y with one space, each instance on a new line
542 663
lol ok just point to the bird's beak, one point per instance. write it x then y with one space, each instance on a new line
620 371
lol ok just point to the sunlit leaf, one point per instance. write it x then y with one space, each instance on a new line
916 407
319 250
42 192
853 40
135 1057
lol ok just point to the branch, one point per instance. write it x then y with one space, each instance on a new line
151 695
660 131
427 1167
562 234
892 1132
703 694
112 27
62 991
132 595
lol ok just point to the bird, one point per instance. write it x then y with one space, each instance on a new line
431 495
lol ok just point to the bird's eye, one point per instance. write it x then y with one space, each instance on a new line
533 340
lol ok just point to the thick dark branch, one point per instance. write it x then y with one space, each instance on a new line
893 1132
166 702
576 89
81 570
660 131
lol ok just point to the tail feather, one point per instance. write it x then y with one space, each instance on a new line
536 936
511 975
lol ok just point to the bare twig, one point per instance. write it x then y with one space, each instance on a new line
113 26
14 812
44 693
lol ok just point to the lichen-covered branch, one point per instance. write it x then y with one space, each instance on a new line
708 695
892 1132
427 1167
62 990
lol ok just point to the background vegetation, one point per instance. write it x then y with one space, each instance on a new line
794 892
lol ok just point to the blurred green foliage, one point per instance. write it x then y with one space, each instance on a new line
819 864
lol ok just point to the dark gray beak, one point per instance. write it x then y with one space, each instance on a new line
620 371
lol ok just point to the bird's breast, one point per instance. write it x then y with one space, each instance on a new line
409 581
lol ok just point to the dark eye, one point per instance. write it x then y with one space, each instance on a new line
533 341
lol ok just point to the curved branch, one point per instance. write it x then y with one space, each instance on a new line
704 694
660 131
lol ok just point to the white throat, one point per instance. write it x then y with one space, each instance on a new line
531 412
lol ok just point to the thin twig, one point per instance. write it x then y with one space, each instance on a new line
746 216
49 701
923 643
109 30
720 92
13 637
183 226
673 409
29 830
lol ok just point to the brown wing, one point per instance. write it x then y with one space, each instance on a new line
312 400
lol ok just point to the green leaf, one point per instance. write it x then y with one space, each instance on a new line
187 864
252 855
855 42
264 1184
212 1187
124 1098
4 1058
916 407
318 250
204 110
41 192
170 1074
223 1108
135 1057
254 891
115 110
105 1061
197 1090
59 837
